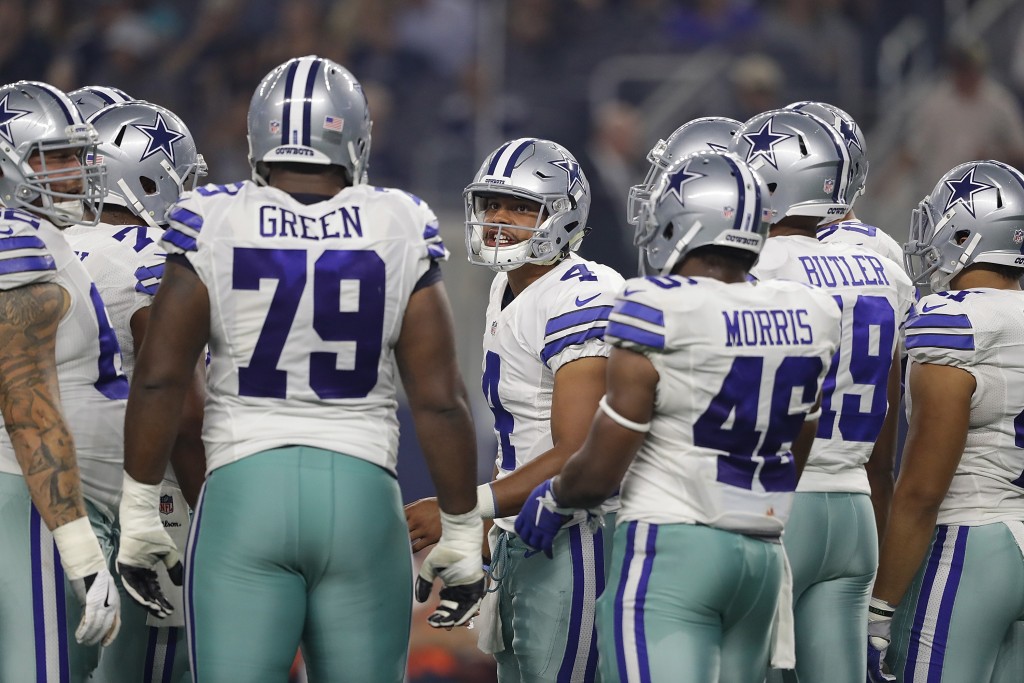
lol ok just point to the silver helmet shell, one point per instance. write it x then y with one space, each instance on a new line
852 135
309 110
38 119
709 133
975 214
703 199
150 156
802 159
539 171
91 98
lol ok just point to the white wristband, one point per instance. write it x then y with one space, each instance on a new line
486 502
140 507
463 531
813 415
79 549
623 421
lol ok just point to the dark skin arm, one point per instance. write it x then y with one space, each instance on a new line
188 457
941 399
30 400
883 456
578 387
425 355
595 471
178 328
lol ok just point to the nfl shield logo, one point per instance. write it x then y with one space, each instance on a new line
1018 236
275 127
829 186
728 212
166 505
494 328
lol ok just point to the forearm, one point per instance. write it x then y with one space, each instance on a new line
151 427
47 458
511 491
448 441
907 538
594 473
188 456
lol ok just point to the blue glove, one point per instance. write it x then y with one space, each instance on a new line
541 518
879 634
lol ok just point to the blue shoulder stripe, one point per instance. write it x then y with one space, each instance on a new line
180 214
961 342
21 242
635 309
591 314
437 251
148 278
576 338
24 264
179 239
635 335
959 321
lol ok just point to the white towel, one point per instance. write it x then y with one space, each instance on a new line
175 518
488 623
783 650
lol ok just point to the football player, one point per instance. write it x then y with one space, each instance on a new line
59 376
310 287
951 567
151 159
709 413
543 373
831 540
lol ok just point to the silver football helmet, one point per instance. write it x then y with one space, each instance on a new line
852 136
309 110
92 98
540 171
802 159
704 199
150 157
38 121
710 133
975 214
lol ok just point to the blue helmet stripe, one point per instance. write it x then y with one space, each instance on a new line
840 147
511 165
1017 175
497 155
59 99
286 118
741 196
307 106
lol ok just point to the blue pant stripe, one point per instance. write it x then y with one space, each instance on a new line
37 597
64 666
598 589
154 636
641 596
190 567
172 646
922 601
627 560
946 605
565 671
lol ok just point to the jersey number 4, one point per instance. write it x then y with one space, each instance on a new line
362 326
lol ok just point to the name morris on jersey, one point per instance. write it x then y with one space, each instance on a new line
772 327
341 223
831 271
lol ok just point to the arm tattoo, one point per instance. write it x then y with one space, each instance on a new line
30 400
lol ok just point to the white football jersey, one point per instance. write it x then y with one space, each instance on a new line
875 296
864 235
558 318
739 366
980 331
93 390
306 305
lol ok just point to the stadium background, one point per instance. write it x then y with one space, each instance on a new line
449 80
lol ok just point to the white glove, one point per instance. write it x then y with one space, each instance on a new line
457 560
879 634
86 571
144 543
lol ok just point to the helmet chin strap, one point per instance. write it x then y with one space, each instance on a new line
135 205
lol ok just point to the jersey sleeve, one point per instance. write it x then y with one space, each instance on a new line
25 258
577 318
637 321
117 274
185 222
940 332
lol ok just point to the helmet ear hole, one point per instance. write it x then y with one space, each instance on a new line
119 138
960 236
803 145
148 185
669 230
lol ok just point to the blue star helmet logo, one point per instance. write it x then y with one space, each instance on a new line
849 136
762 143
572 171
676 181
962 191
161 138
8 116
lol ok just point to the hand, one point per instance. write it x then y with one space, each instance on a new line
456 559
541 518
879 634
144 543
424 520
101 616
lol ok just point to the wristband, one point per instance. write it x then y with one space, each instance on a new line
880 609
622 421
79 549
140 506
486 501
813 415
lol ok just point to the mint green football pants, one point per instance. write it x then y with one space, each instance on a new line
299 545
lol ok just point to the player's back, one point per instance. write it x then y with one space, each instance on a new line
92 388
863 235
739 365
875 296
306 304
982 332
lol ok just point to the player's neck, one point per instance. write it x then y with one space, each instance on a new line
977 278
525 275
800 226
325 184
117 215
850 216
696 267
